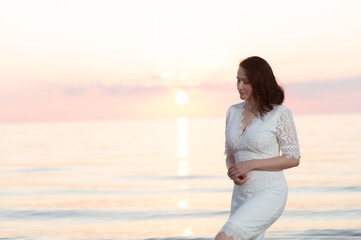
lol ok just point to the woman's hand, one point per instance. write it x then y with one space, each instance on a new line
241 180
238 172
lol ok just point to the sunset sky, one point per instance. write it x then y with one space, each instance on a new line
103 60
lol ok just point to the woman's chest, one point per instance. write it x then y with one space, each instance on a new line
259 134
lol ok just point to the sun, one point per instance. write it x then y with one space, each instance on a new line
181 97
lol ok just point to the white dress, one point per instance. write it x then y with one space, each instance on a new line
259 202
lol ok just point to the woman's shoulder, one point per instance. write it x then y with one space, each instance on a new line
275 114
279 109
236 106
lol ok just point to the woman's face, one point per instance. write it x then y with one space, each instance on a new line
243 85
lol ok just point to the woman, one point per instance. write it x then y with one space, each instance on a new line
256 130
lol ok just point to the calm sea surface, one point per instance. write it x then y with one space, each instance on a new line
166 179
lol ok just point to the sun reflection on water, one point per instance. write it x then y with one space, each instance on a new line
183 168
182 124
183 164
183 186
183 203
188 232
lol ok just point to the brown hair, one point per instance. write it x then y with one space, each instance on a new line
266 91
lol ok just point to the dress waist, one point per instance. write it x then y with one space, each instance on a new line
259 180
245 155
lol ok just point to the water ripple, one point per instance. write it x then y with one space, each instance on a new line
324 189
104 215
153 192
331 234
161 214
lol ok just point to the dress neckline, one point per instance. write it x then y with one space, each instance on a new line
242 130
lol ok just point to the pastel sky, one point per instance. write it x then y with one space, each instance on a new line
102 60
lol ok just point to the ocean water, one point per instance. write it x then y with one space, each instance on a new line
166 179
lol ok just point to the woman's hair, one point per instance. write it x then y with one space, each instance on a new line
266 90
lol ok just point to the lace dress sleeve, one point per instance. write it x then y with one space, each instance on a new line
227 149
287 135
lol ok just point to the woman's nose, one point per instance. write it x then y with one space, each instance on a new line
240 85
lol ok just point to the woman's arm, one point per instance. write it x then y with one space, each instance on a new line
275 164
230 161
269 164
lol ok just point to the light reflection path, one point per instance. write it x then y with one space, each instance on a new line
182 125
183 164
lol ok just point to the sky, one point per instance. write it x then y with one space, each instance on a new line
108 60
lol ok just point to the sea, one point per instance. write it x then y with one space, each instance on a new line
148 179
